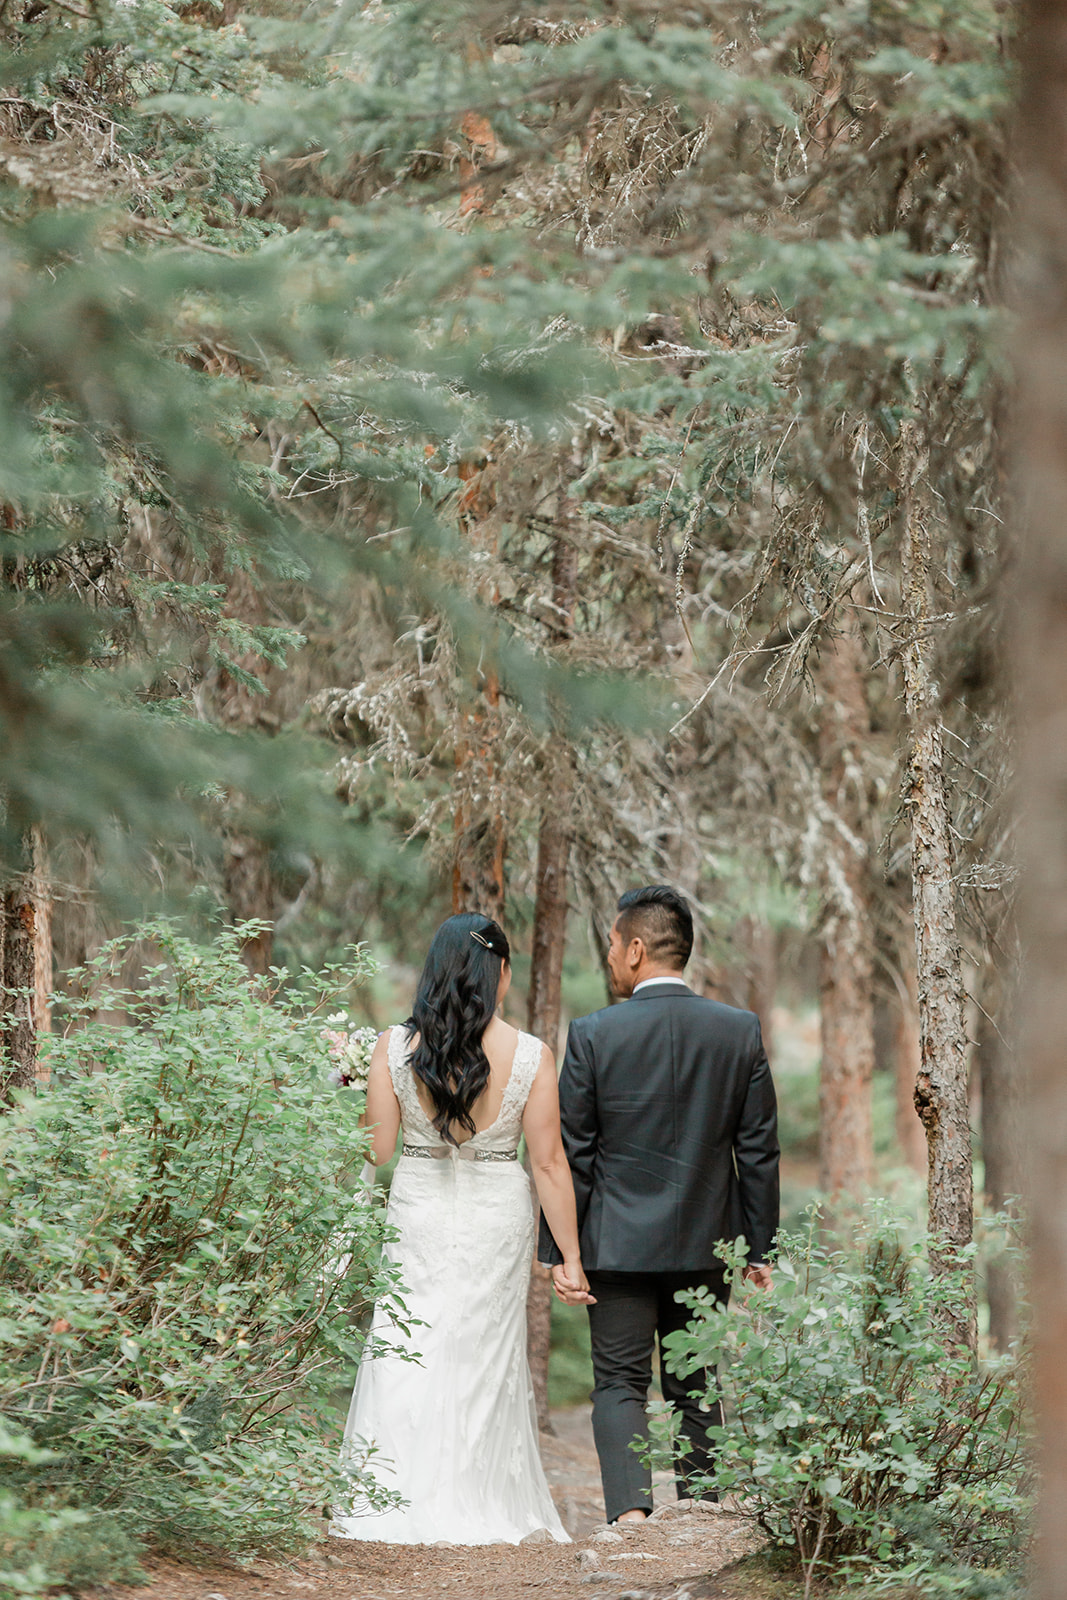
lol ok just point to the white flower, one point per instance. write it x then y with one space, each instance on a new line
351 1054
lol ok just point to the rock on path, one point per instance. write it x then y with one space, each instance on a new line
672 1555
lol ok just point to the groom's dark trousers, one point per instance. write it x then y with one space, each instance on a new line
631 1309
670 1127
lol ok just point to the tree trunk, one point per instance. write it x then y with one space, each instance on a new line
907 1060
846 977
1041 657
846 1164
550 915
248 884
546 954
941 1086
479 832
43 977
18 984
478 857
1001 1154
761 975
543 1011
247 874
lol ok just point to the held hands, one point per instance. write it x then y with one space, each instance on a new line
572 1285
758 1277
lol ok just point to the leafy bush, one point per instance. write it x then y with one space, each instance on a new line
570 1372
849 1434
28 1534
185 1253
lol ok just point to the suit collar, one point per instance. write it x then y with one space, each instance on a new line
674 986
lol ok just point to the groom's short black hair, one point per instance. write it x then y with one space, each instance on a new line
659 916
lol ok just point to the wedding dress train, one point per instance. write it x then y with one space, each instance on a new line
450 1409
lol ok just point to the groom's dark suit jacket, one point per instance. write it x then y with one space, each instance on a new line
670 1127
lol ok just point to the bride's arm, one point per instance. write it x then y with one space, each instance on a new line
552 1175
382 1111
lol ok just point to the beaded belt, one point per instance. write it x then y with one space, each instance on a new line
442 1152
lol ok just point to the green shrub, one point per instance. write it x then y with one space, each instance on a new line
570 1365
850 1435
185 1253
24 1530
45 1545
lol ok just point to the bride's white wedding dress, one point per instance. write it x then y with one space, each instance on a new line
456 1430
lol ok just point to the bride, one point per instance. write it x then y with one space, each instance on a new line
448 1410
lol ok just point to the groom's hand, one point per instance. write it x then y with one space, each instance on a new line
572 1286
759 1277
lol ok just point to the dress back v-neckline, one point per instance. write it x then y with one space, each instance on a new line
506 1125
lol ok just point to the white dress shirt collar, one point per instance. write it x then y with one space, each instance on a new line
646 983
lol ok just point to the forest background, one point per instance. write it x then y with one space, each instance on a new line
467 456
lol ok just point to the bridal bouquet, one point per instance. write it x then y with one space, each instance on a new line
350 1052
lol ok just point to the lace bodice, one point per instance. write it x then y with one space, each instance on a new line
503 1134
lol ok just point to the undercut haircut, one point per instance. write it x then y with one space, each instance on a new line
659 916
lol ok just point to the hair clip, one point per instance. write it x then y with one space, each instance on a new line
480 939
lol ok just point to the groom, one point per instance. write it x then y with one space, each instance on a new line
670 1127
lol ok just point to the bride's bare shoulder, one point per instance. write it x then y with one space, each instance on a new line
500 1038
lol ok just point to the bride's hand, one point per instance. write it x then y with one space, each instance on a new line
572 1285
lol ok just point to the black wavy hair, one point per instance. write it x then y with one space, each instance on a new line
454 1004
659 915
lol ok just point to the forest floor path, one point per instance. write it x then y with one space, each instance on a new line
674 1557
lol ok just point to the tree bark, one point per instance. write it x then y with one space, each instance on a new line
846 977
43 977
480 833
478 858
543 1013
546 955
18 983
247 874
1040 649
941 1086
550 914
761 975
846 1164
907 1060
248 884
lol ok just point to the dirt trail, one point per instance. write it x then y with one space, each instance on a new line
671 1556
